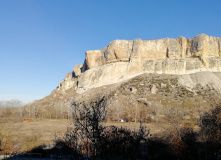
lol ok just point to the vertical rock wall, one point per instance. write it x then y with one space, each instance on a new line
122 59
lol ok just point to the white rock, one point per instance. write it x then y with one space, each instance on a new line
153 89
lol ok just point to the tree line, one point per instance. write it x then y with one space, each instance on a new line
17 109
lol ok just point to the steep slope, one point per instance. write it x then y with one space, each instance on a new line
152 97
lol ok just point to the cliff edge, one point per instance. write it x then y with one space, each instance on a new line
124 59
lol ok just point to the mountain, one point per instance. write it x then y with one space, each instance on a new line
146 79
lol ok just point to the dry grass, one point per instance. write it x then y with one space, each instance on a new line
25 136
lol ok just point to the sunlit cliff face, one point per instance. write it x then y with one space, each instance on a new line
123 59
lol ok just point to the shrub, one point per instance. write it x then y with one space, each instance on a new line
90 137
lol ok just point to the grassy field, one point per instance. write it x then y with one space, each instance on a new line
20 136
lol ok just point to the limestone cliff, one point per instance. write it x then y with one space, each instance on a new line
123 59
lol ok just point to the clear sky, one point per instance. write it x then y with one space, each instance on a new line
42 40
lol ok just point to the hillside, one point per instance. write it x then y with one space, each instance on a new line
143 79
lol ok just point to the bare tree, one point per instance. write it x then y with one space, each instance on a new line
90 137
13 108
87 120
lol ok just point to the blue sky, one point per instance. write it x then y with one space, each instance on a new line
42 40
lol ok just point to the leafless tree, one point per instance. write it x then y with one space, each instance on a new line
87 120
11 108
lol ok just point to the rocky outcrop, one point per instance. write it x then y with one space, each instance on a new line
153 89
123 59
160 49
68 82
78 70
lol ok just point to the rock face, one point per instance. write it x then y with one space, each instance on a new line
77 70
67 82
160 49
123 59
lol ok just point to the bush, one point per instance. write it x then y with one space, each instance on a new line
211 125
92 138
